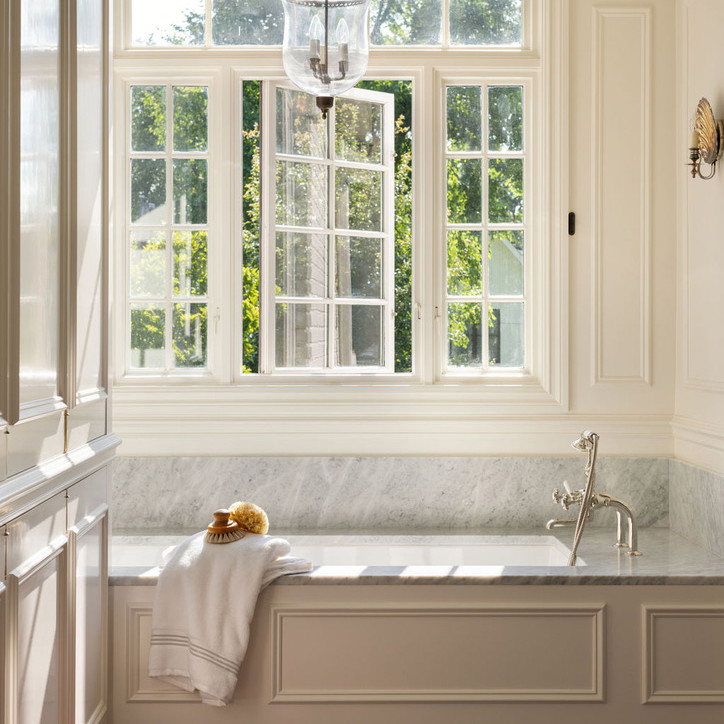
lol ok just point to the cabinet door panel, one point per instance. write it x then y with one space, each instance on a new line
89 541
40 221
90 189
35 530
40 651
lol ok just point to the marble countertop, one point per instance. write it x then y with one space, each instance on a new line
668 559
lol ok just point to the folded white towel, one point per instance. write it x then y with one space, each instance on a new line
205 600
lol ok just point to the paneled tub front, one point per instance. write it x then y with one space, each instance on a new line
428 628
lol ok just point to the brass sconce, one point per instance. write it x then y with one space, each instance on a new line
706 140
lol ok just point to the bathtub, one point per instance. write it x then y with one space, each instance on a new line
418 629
342 550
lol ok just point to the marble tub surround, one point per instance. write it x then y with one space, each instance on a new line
406 493
696 498
668 559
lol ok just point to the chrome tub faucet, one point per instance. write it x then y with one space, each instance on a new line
590 500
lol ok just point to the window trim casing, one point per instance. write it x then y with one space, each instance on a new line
499 392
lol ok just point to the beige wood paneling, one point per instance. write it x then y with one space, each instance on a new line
684 654
449 653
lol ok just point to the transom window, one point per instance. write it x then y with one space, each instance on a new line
223 23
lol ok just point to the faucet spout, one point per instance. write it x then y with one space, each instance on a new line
560 523
622 510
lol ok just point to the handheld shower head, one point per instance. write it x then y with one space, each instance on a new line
585 442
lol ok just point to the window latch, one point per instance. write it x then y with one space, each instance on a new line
572 223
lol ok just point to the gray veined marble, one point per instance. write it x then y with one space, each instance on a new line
697 505
410 493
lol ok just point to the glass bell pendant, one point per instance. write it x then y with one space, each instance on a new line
326 46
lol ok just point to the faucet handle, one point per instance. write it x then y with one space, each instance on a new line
563 499
567 487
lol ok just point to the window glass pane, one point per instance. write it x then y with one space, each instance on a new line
402 91
301 264
301 194
148 264
301 335
358 194
506 262
190 112
358 267
505 190
358 341
301 131
241 22
505 118
464 118
486 22
167 22
405 22
148 117
358 130
464 191
189 335
189 191
465 334
505 334
464 263
189 263
251 224
148 191
148 324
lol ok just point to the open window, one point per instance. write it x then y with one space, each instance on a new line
327 300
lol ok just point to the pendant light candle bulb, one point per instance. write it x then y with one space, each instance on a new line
316 33
343 40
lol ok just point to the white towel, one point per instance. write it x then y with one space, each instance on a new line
204 604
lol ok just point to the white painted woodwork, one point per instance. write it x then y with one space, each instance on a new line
424 654
623 193
90 202
40 218
33 441
87 422
38 649
53 595
35 531
622 95
699 407
3 642
89 546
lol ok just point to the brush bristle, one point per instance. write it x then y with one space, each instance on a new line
224 537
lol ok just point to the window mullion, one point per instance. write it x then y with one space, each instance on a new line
268 230
485 233
168 327
331 238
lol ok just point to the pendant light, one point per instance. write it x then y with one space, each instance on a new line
326 46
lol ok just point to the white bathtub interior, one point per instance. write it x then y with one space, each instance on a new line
325 550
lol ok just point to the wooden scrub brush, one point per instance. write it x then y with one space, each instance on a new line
223 530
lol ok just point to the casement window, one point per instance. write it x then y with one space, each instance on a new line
400 239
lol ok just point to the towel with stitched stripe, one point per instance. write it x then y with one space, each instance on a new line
205 600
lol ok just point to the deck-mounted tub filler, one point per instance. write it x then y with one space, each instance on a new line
487 626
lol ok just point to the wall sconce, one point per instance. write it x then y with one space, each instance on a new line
325 46
706 140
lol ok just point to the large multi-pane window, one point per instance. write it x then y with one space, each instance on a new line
264 241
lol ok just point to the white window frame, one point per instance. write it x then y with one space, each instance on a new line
267 363
142 401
